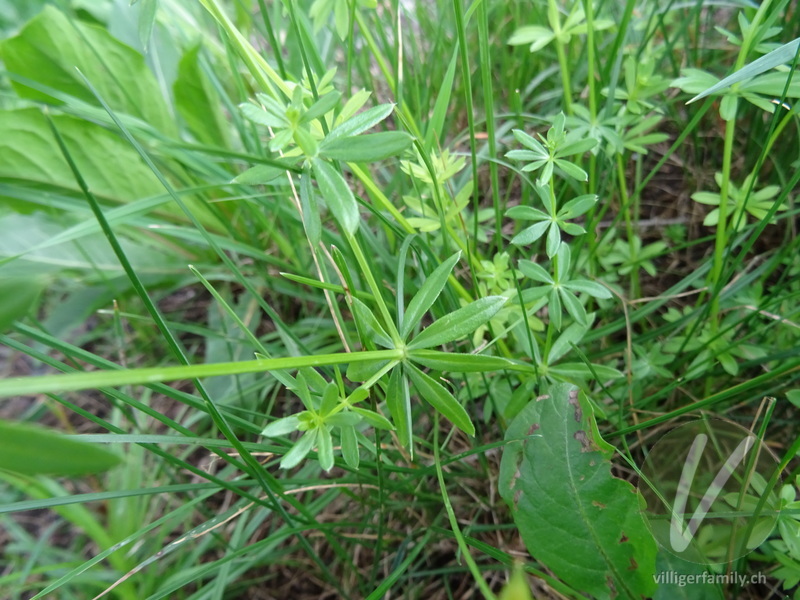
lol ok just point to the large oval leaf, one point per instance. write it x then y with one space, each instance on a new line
573 515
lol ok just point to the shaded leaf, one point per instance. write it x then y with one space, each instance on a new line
18 297
51 49
33 450
398 400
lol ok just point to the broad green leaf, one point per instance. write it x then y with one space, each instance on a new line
28 241
398 401
281 426
198 103
556 469
258 174
458 323
777 57
18 297
112 169
439 398
51 49
369 147
337 195
693 81
33 450
300 450
427 295
462 363
358 124
147 18
366 319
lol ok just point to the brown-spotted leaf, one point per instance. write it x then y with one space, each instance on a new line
573 515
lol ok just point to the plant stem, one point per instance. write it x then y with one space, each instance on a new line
451 515
19 386
566 82
373 286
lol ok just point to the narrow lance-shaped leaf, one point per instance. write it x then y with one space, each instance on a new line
436 123
777 57
308 203
427 295
458 323
359 123
439 398
398 400
338 196
258 174
373 418
281 426
322 106
325 449
299 451
369 147
463 363
366 319
350 447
